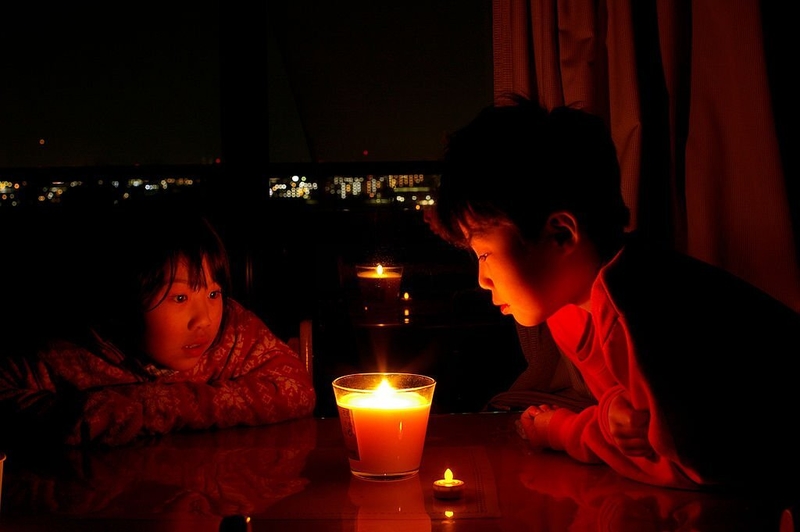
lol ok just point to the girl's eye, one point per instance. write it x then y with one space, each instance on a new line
180 298
482 257
216 294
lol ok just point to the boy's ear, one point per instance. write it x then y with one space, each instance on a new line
562 227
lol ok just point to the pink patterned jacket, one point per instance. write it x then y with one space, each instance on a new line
79 395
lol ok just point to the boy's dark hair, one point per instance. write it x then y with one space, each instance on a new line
523 162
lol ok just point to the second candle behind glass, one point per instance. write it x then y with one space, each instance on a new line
379 285
384 418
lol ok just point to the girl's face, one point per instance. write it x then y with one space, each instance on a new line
185 322
522 275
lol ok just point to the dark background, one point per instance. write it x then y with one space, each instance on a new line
242 88
192 82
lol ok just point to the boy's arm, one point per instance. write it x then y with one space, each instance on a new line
583 436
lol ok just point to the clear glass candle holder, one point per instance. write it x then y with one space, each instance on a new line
384 418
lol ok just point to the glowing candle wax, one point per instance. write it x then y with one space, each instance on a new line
384 425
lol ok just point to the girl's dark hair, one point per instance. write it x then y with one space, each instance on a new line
145 244
522 162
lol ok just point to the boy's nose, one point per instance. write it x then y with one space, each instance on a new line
484 281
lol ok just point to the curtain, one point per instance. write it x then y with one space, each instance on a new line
693 92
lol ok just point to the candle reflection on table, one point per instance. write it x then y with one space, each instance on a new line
389 506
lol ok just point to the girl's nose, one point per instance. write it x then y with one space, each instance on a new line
201 315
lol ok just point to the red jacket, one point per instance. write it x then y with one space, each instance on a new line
707 354
78 394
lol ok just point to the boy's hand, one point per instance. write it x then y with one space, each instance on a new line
629 427
533 424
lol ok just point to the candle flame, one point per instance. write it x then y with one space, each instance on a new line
449 513
379 269
448 475
406 296
384 389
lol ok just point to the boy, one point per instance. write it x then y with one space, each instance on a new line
683 358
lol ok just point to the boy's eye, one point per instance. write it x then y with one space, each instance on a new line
482 257
180 298
216 294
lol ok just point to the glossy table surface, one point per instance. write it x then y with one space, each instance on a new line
294 476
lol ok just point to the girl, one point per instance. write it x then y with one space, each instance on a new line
164 347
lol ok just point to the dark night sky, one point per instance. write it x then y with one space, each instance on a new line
133 83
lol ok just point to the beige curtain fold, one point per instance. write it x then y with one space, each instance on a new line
685 90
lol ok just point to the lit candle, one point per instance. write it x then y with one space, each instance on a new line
379 284
448 487
384 427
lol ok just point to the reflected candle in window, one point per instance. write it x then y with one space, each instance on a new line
379 284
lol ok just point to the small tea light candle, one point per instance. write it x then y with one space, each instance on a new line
448 487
